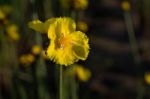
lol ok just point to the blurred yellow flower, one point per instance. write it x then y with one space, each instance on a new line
147 77
12 31
4 11
125 5
80 4
39 26
76 4
67 45
83 74
36 49
2 15
27 59
82 26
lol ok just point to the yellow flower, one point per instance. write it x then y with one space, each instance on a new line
67 45
125 5
12 31
83 74
82 26
36 49
147 77
27 59
80 4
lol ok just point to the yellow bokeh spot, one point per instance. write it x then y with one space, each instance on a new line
30 58
75 4
82 26
80 4
12 31
82 73
147 77
125 5
27 59
2 15
22 59
36 49
4 11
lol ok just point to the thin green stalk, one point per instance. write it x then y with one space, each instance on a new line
60 82
135 52
73 87
75 15
132 38
0 93
22 91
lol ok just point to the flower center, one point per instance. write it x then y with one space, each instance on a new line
63 42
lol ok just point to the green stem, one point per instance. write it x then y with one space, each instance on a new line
135 52
60 82
132 38
0 92
73 87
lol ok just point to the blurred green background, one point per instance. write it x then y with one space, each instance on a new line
119 58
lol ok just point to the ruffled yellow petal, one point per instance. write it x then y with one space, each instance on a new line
67 26
80 45
63 56
52 31
66 57
51 52
37 25
47 23
61 27
79 52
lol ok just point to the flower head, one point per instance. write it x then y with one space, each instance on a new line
66 44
